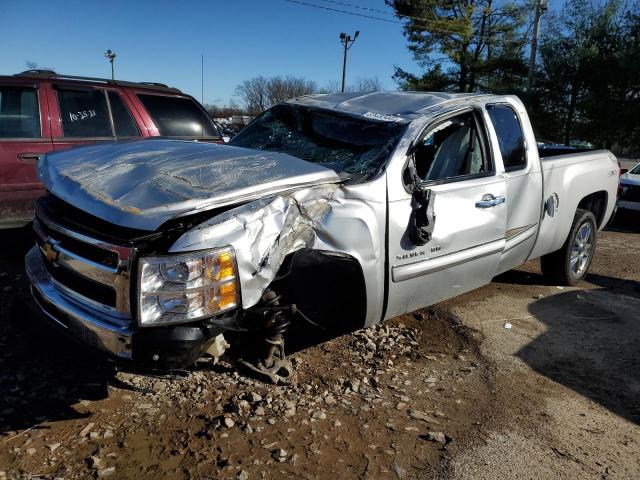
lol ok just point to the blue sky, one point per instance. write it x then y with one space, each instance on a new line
162 41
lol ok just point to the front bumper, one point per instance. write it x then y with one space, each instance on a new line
163 347
109 333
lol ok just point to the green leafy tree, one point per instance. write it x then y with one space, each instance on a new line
588 84
463 45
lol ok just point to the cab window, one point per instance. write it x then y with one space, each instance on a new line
19 112
510 137
452 149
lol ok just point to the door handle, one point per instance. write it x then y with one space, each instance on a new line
29 157
489 201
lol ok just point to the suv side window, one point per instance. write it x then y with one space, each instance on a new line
510 137
123 123
178 117
19 112
451 149
84 113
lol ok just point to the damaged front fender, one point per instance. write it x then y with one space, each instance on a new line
333 218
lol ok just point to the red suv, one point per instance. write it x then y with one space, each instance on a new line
41 111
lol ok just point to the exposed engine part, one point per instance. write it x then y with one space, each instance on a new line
271 365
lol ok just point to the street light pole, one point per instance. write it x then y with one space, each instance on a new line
347 42
111 56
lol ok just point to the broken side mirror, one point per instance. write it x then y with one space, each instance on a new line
423 219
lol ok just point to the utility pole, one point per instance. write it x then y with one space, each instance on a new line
541 7
347 42
202 78
111 56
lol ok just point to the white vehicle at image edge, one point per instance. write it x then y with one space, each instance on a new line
630 189
327 211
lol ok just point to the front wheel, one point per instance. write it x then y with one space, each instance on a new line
569 264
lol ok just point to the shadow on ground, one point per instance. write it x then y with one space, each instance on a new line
592 344
521 277
43 374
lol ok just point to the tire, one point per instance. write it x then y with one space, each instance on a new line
570 264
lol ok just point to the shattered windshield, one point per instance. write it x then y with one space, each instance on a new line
340 142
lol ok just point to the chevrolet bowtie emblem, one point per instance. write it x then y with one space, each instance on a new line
49 250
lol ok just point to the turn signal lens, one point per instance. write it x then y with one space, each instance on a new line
220 268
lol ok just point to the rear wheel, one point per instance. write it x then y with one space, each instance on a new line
569 264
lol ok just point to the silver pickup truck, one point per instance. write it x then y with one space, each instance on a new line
327 211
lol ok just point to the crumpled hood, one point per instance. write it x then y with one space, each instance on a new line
142 184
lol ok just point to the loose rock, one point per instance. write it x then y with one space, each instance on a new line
319 415
418 415
279 454
85 431
438 437
106 472
243 475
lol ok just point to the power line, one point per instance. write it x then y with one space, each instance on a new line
398 22
488 40
375 10
342 11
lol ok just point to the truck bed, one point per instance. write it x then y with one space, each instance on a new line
569 179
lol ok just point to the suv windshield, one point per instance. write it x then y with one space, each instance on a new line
636 170
340 142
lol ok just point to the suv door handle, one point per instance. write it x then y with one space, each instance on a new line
29 157
489 201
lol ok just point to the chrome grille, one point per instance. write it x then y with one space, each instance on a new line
81 266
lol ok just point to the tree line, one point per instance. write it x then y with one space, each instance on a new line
587 72
259 93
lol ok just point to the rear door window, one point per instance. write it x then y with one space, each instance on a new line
123 122
178 117
510 137
84 113
19 112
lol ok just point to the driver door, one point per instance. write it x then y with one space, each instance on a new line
451 185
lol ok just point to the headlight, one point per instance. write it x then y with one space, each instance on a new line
187 287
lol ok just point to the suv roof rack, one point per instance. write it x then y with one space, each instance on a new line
36 71
52 74
155 84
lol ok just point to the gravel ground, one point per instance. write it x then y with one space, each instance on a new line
447 392
567 373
